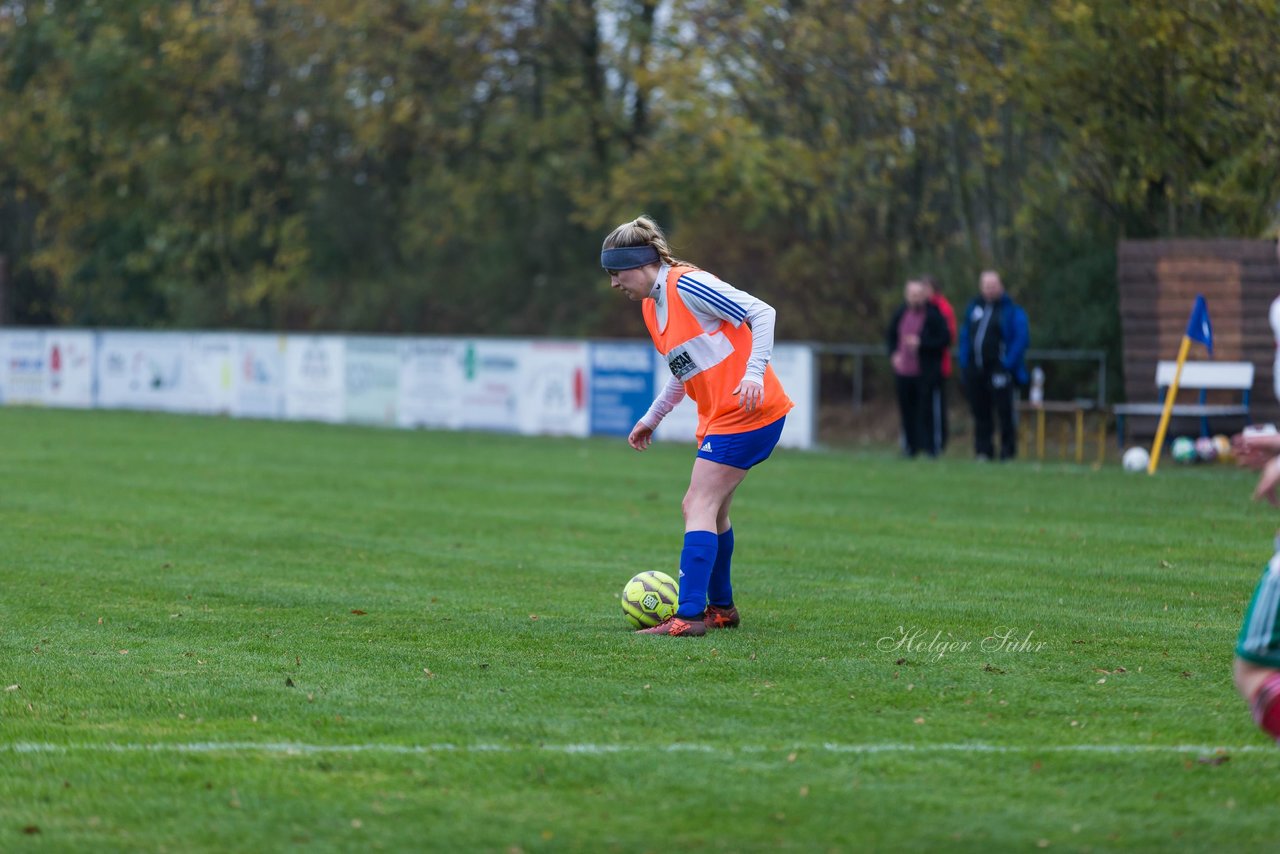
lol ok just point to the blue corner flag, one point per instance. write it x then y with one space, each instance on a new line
1198 327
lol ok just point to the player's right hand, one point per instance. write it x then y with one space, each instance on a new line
641 436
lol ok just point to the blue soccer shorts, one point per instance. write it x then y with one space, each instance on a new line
742 450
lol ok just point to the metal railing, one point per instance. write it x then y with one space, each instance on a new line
860 353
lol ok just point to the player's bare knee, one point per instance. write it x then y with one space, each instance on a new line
1239 675
688 505
696 508
1248 677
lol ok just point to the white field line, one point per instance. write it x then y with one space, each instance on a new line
288 748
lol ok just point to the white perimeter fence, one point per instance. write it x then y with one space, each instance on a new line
530 386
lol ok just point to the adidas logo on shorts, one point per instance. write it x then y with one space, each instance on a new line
706 446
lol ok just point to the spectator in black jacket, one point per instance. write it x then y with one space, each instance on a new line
917 337
994 336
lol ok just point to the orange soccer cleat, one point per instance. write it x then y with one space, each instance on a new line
677 627
721 618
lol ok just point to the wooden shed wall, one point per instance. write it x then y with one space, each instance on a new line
1159 280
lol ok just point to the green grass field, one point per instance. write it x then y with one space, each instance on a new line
222 635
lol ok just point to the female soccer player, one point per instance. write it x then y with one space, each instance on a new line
1257 663
717 341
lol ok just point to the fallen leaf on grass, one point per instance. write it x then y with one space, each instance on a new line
288 682
31 830
430 675
14 687
1214 760
358 612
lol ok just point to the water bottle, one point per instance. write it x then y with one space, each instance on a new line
1037 386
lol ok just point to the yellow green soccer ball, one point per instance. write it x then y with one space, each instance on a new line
650 598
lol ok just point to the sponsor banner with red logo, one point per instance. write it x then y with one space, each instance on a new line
69 366
553 389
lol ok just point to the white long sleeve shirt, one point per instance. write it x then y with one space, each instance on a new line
712 301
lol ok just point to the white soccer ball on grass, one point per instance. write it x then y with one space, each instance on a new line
1136 459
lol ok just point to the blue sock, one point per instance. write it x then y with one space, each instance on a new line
696 559
720 590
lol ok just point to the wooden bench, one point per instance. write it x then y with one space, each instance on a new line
1076 410
1196 376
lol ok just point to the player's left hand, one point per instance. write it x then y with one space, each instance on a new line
749 393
